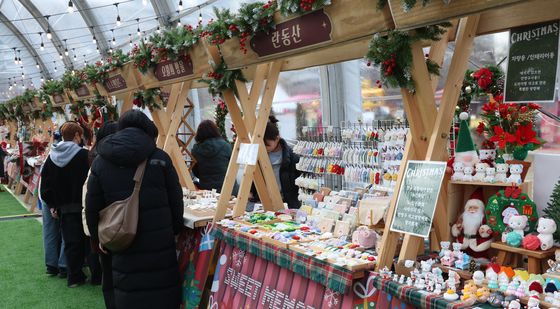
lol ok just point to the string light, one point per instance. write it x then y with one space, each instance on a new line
179 22
37 64
15 57
200 17
85 61
94 40
49 34
74 52
110 51
42 44
60 56
54 62
113 34
130 39
158 30
118 15
97 47
42 78
65 48
180 5
19 57
22 74
70 7
138 30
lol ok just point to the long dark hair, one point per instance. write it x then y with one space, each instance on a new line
271 132
206 129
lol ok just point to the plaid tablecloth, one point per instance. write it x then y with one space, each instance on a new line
415 297
336 278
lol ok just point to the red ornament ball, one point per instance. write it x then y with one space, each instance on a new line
531 242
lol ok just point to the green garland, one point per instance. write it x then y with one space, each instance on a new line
217 31
220 113
78 109
52 87
95 73
288 7
221 79
407 5
99 72
72 79
147 99
475 85
393 54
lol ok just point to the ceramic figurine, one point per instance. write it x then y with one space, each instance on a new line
447 259
492 278
468 171
501 172
514 305
520 293
478 277
503 281
457 253
458 174
515 171
490 175
482 294
546 229
480 172
512 287
450 295
533 302
409 281
438 288
518 223
401 279
444 247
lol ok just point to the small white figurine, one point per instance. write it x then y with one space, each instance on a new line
468 171
546 229
401 279
501 172
514 304
438 288
533 302
409 281
490 175
515 171
458 174
480 172
478 277
457 253
518 223
444 247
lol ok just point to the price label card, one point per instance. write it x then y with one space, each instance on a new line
248 154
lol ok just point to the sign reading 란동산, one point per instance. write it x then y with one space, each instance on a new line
417 199
532 63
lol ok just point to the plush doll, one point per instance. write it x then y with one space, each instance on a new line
364 237
444 247
480 172
546 229
501 172
515 171
471 229
490 175
468 170
486 154
478 277
458 173
533 302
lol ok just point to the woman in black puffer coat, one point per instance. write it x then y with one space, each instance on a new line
146 275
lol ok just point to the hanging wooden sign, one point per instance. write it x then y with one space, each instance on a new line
417 199
532 63
115 83
174 69
83 91
59 99
303 31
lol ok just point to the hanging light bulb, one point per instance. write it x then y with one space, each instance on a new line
37 64
15 57
74 52
70 7
200 17
158 30
42 79
94 40
144 2
110 51
42 44
113 39
22 75
85 61
60 56
118 15
138 30
98 50
49 34
180 5
55 69
65 48
130 39
19 57
179 22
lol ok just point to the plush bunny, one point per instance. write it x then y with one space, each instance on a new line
515 171
458 173
546 229
490 175
468 170
518 223
501 172
480 172
364 237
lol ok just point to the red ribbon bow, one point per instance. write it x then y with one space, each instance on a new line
513 192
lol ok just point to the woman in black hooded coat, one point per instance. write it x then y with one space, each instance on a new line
146 275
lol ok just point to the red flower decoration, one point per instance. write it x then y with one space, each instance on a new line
525 135
490 107
480 128
483 77
502 137
533 106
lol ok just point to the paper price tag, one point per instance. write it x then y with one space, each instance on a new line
248 154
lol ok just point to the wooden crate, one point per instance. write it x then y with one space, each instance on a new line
437 11
173 72
119 81
86 91
349 20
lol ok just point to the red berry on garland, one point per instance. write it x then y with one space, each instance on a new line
371 258
523 197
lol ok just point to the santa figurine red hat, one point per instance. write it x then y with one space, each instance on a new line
471 229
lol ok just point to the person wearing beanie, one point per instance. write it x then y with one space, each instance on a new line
62 178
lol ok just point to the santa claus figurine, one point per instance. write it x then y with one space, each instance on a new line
471 229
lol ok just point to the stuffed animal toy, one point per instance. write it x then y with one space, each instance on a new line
518 223
364 237
515 171
480 172
468 170
501 172
490 175
546 229
458 173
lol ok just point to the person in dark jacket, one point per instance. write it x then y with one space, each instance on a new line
146 275
212 153
62 179
283 160
106 130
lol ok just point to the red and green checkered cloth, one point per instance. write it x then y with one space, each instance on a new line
334 277
415 297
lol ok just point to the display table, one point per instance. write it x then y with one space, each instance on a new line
199 218
537 259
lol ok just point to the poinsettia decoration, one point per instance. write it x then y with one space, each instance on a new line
393 54
221 79
510 126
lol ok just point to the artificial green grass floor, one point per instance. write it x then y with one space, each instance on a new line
23 282
9 206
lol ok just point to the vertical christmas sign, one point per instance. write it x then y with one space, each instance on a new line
532 63
417 199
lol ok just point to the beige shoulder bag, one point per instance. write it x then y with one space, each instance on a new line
118 222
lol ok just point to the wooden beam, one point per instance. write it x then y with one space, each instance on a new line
127 102
437 55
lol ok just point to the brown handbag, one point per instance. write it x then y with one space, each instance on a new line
118 222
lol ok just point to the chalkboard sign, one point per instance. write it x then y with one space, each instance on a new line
532 63
418 195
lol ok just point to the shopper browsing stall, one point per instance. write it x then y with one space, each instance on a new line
62 178
212 153
146 274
